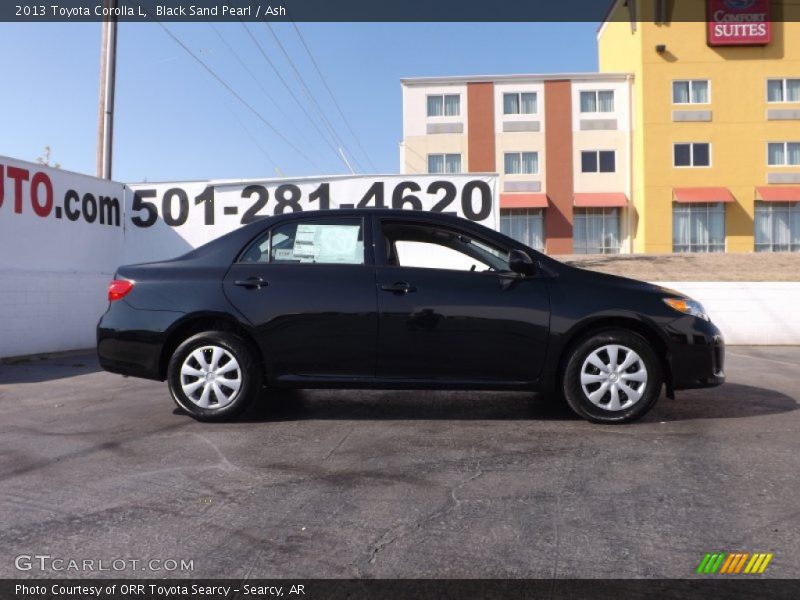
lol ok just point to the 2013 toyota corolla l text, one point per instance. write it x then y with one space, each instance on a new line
399 299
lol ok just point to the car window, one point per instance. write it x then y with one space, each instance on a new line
258 252
321 241
433 248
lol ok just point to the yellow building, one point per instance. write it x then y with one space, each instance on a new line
716 128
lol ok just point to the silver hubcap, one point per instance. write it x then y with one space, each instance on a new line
613 377
211 377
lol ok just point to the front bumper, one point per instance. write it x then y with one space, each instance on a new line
696 354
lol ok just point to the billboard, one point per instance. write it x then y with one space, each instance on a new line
168 219
53 220
738 22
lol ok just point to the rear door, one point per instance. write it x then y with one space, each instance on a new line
308 288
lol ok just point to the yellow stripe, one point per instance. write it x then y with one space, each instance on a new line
765 563
757 563
741 562
727 563
753 560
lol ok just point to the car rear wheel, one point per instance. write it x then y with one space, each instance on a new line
213 376
612 376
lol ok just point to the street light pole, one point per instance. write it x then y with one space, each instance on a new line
105 107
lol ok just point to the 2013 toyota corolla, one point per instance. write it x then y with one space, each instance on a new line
399 299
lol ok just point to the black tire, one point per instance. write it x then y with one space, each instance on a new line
250 375
578 399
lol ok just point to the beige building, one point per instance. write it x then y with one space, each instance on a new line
560 143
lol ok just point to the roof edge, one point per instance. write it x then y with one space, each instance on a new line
593 75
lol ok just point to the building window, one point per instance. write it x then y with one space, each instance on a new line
445 105
783 154
777 226
521 163
693 91
783 90
692 155
602 161
525 225
520 104
596 231
444 163
698 227
597 101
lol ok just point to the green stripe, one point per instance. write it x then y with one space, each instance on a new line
718 564
703 563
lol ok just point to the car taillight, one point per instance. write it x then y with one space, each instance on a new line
118 289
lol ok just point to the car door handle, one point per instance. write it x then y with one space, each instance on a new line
251 283
401 287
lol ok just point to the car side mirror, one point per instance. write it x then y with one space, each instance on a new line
520 262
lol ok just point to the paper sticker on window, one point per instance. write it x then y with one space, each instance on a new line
328 244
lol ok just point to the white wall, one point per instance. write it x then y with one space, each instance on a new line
54 270
759 313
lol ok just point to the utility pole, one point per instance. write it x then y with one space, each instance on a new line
105 106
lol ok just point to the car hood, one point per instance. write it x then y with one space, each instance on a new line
615 281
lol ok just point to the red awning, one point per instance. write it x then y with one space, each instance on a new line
778 194
523 200
702 194
604 200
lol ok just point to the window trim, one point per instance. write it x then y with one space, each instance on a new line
606 212
691 154
707 247
597 154
786 164
444 104
444 163
540 216
783 81
769 207
690 82
519 96
596 93
520 153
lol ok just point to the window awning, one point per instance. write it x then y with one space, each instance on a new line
601 200
776 193
523 200
702 194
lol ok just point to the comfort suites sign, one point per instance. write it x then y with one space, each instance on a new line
738 22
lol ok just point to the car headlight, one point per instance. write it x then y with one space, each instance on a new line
688 307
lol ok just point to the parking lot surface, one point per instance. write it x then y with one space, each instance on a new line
396 484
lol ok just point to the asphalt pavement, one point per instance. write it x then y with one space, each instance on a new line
97 467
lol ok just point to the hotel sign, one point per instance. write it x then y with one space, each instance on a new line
738 23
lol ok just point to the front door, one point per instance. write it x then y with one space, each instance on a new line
449 310
308 289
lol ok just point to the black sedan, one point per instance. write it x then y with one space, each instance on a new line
399 299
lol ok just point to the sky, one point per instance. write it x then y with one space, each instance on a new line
175 121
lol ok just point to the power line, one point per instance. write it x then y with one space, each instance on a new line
253 138
309 94
333 97
236 95
252 75
291 92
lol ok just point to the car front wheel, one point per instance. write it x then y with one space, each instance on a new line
612 376
213 376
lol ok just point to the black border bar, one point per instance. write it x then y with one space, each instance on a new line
718 586
366 10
